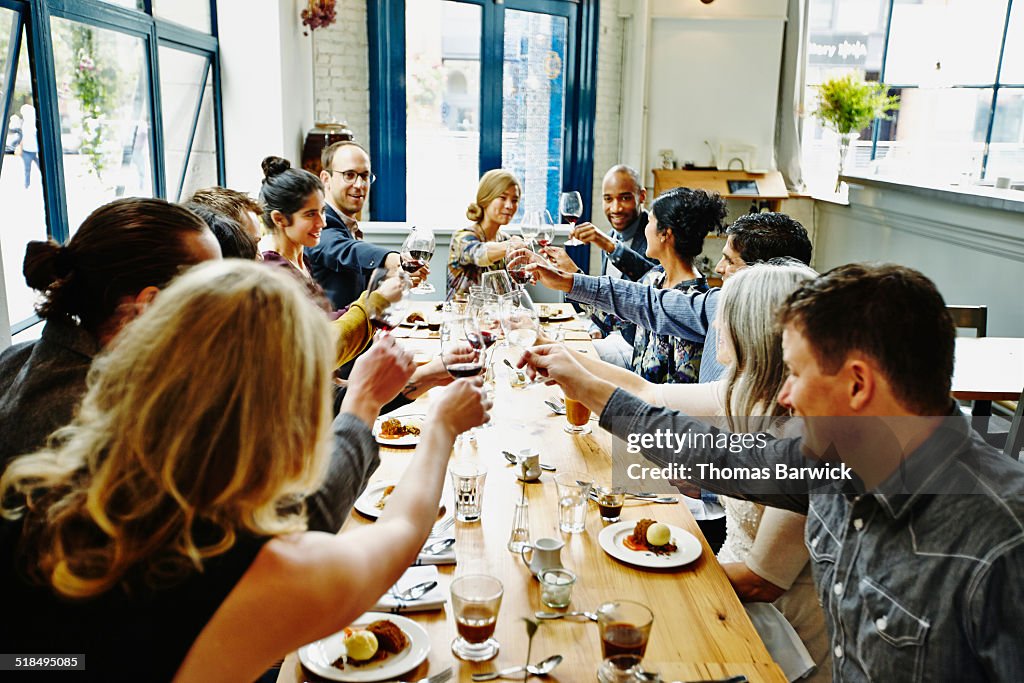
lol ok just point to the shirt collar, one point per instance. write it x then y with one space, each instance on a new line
351 223
71 336
631 230
927 469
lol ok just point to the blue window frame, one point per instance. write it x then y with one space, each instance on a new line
144 160
388 124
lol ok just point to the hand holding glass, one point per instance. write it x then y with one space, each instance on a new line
395 286
417 250
570 206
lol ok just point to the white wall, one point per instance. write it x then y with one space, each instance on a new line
267 69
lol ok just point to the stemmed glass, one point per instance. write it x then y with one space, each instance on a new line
462 346
530 226
570 205
395 286
417 250
522 324
497 282
545 230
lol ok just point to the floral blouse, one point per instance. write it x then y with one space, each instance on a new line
663 358
467 258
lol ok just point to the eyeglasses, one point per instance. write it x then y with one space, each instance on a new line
350 176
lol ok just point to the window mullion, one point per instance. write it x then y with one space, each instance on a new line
192 131
876 126
492 54
13 52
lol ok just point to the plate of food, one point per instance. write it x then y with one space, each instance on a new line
398 430
375 647
554 313
375 498
651 544
417 319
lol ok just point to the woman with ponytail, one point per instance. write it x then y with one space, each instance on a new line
109 271
483 245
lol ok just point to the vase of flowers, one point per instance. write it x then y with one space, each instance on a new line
848 104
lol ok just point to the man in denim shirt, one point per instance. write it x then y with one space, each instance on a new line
919 555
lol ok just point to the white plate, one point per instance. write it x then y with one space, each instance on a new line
612 536
366 504
318 656
408 439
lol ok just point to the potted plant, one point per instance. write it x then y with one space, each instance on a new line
848 104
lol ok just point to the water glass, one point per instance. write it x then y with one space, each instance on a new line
476 599
468 478
620 669
556 587
573 498
625 627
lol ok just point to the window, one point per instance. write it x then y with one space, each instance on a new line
958 67
124 103
464 86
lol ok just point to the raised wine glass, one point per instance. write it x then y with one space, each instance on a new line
395 286
521 321
497 282
570 205
417 250
545 230
462 346
529 226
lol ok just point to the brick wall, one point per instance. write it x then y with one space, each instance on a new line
341 85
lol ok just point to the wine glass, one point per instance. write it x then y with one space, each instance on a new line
462 346
417 250
497 282
394 285
522 324
570 205
529 226
545 230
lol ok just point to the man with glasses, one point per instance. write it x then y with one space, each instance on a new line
342 262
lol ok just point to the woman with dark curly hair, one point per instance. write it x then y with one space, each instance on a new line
680 219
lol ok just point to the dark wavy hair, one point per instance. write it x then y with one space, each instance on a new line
119 250
763 236
691 214
234 241
891 313
285 189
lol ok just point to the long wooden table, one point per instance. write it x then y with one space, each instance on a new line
700 628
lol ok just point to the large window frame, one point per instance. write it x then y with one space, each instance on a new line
33 21
996 86
386 35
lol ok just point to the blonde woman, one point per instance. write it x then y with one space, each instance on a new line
162 533
483 245
764 554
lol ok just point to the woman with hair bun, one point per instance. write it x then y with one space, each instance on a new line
107 273
483 245
164 532
293 213
680 219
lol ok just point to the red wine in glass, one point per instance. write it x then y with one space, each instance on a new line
412 265
465 369
519 275
571 220
382 323
488 337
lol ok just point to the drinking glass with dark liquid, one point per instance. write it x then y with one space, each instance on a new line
570 206
417 250
476 600
462 346
610 500
625 628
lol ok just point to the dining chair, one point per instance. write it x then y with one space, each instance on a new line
974 318
1015 437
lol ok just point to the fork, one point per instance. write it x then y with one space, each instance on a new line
439 677
441 527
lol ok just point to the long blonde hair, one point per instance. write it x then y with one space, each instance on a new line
206 417
750 299
492 185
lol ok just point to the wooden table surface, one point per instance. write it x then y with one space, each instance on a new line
988 368
700 629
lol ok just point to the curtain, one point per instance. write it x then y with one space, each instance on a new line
788 118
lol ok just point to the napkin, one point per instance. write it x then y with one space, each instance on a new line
446 557
433 599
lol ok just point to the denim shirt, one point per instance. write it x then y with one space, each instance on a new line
663 311
915 586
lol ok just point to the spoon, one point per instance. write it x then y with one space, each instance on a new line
414 593
555 408
558 615
511 457
541 668
437 547
519 373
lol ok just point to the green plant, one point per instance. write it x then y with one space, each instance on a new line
94 83
848 104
